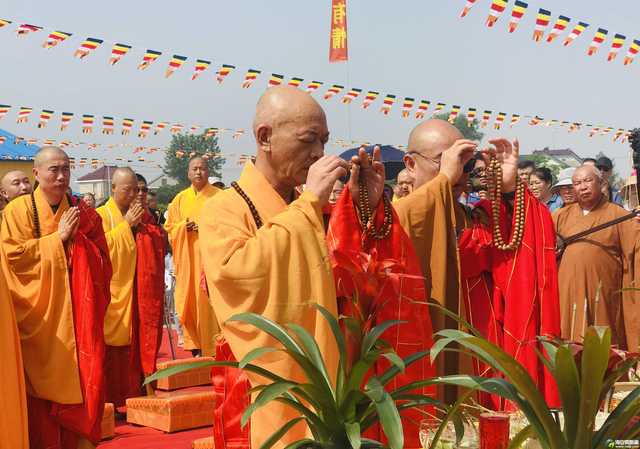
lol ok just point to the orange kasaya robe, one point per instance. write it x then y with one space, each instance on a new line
280 270
193 306
13 399
400 297
60 294
523 302
133 323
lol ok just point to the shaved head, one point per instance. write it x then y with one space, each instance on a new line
52 171
290 129
14 184
124 187
427 142
198 172
404 184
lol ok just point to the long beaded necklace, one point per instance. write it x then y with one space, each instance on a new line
36 217
494 175
252 207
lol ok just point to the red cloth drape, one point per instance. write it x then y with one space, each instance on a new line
405 300
89 276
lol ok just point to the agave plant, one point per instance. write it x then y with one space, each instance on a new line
584 378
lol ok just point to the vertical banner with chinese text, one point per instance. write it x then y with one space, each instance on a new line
338 38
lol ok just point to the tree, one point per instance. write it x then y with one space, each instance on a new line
166 193
461 122
185 146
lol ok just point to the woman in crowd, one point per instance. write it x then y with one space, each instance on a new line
540 184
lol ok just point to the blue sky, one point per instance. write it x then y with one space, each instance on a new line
408 48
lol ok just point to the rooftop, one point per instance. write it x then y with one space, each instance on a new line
101 174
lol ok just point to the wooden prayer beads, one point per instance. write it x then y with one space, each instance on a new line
367 219
252 207
494 176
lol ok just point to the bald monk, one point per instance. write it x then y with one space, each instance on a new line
13 400
595 268
133 320
404 185
265 250
194 309
56 262
14 184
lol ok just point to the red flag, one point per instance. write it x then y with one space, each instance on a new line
338 38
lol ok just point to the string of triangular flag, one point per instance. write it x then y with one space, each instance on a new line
119 50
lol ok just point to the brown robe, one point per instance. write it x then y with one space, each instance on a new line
609 258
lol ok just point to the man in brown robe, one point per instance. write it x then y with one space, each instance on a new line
594 269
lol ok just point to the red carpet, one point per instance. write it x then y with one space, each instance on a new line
129 436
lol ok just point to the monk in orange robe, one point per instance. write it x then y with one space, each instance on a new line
264 250
199 324
13 400
595 269
132 324
56 263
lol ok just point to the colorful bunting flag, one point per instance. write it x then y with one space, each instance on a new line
499 120
574 127
127 124
387 103
618 42
55 38
369 98
148 58
618 134
607 130
453 114
439 107
595 130
223 72
4 108
598 39
194 129
333 90
561 24
25 29
295 82
422 108
117 52
45 116
313 86
516 14
542 22
467 8
535 121
577 31
159 127
65 119
634 48
87 47
351 95
275 79
3 139
23 115
145 127
471 116
495 11
175 128
211 132
4 22
107 125
174 64
87 123
515 118
486 116
250 77
237 134
407 105
201 66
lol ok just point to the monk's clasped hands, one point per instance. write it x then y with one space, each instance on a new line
68 224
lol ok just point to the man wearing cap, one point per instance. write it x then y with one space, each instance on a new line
605 165
564 186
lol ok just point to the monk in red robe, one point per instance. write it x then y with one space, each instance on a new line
56 262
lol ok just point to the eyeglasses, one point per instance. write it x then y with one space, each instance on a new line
434 161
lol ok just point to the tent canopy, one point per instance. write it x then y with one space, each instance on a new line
391 158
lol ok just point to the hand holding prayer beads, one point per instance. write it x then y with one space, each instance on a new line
507 154
368 171
454 159
134 214
192 226
68 223
323 174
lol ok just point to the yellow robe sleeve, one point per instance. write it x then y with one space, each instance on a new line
630 245
122 252
38 281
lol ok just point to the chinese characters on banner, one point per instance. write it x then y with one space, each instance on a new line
338 38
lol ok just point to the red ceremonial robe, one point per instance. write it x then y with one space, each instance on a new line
525 298
59 426
126 365
405 300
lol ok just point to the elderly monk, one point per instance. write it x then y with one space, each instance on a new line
14 184
594 269
13 400
133 320
404 185
56 262
193 306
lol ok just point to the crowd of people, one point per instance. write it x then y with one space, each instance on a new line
82 287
